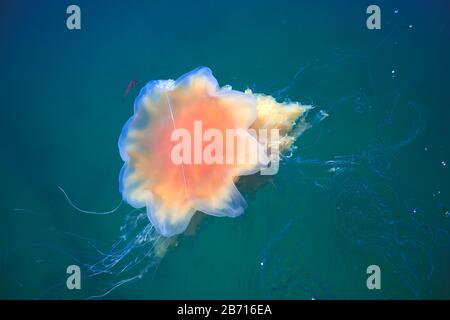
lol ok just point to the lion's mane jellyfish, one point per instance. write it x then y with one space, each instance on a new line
190 140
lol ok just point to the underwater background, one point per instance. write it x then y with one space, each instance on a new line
367 185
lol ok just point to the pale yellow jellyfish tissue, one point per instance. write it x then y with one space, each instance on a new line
190 140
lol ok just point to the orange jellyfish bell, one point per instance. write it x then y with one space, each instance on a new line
187 144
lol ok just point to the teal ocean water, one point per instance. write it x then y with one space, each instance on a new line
367 185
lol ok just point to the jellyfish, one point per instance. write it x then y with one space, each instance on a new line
189 141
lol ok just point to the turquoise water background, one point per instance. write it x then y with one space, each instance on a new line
367 185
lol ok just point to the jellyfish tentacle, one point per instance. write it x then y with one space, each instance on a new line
88 211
